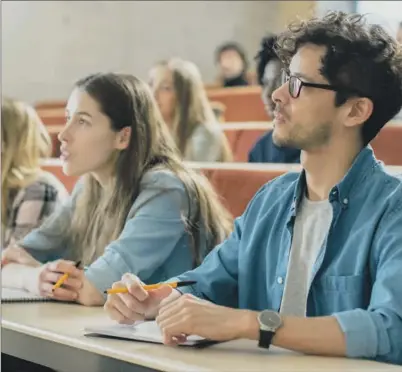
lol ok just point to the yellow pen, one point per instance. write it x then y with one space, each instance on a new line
61 281
150 287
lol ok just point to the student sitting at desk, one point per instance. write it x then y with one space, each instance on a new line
315 262
183 102
269 70
138 208
28 194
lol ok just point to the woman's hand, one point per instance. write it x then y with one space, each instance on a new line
51 272
17 254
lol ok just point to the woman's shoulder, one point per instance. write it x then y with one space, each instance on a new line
161 178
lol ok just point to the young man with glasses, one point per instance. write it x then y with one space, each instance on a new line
315 262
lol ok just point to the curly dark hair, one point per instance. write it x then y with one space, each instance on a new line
360 57
266 54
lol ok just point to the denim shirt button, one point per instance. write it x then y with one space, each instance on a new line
345 201
279 280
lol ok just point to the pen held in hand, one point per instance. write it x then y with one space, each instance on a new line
61 281
152 286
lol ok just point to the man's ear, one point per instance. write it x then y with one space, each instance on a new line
123 138
359 111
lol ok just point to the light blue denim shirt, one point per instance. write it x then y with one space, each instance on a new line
154 243
357 276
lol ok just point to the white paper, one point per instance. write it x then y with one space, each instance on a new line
18 295
141 331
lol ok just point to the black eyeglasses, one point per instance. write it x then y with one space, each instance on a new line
295 86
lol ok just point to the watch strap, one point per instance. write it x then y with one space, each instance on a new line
265 338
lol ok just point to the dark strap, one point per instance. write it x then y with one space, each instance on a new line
265 339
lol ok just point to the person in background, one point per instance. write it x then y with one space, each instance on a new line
183 102
269 72
314 263
137 208
232 63
399 34
28 194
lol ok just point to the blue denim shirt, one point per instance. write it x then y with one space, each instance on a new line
357 276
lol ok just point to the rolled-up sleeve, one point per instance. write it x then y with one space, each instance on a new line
217 276
149 238
376 333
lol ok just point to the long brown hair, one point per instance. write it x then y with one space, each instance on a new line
192 105
24 141
100 212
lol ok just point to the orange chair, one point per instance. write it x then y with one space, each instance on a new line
387 145
243 136
53 104
237 183
242 103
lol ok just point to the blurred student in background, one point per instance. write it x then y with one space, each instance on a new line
137 208
269 72
28 194
232 63
183 102
399 34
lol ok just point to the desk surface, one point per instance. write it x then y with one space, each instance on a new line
63 324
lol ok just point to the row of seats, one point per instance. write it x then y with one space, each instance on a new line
237 104
242 137
235 183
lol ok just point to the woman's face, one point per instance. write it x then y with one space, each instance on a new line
87 140
231 64
162 85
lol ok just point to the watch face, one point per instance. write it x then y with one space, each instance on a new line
270 319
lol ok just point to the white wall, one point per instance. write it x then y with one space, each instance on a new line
48 45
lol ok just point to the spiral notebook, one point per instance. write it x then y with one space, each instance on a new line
147 331
9 295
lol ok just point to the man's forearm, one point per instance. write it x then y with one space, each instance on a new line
318 335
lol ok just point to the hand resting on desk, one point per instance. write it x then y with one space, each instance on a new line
177 315
39 278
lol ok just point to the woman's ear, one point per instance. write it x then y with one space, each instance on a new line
123 138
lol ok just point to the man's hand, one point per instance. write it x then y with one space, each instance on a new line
137 304
190 315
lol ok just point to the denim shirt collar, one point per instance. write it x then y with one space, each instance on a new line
361 167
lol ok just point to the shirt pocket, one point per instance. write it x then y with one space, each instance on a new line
342 283
340 293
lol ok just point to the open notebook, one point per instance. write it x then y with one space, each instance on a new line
147 331
18 295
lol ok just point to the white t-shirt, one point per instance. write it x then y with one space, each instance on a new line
312 224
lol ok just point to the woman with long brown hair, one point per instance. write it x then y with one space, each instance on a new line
136 209
183 102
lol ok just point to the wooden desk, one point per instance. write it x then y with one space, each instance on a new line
51 334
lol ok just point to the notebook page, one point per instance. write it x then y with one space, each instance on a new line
13 294
141 331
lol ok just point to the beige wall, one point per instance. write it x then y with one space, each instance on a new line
46 46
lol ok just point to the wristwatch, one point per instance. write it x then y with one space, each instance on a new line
269 321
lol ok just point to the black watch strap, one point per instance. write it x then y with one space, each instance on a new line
265 339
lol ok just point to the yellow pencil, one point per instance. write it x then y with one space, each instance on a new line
151 286
61 281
